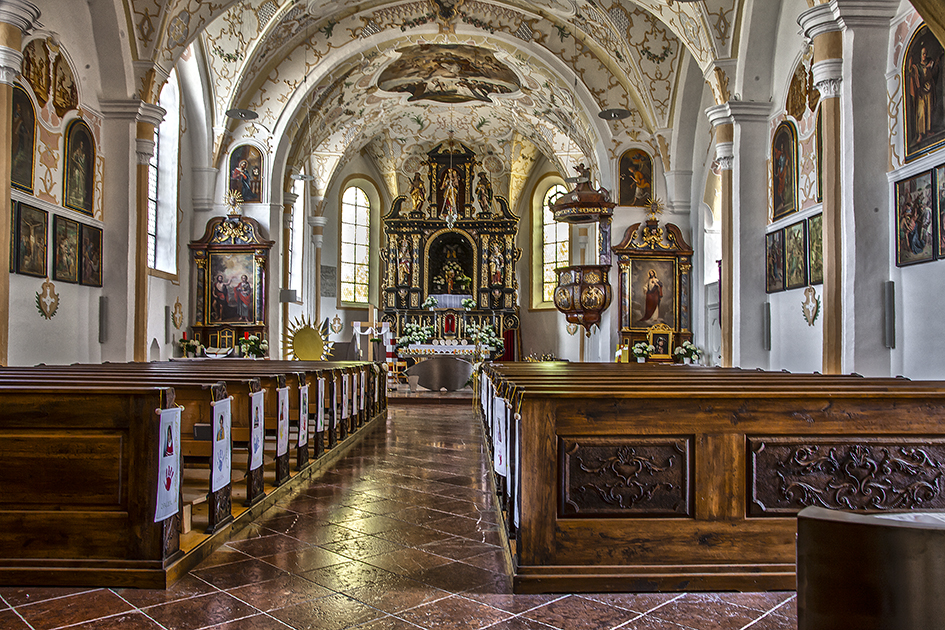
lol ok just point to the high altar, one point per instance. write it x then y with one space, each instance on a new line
457 243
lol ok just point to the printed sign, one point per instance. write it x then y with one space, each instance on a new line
220 466
345 395
334 405
303 416
282 425
168 492
363 389
257 429
498 437
320 420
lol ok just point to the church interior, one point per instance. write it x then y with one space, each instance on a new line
689 240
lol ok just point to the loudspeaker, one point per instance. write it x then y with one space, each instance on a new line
766 323
889 309
168 337
288 295
102 319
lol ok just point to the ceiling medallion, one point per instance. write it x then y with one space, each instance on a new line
241 114
614 114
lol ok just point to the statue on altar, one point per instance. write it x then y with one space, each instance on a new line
418 193
450 188
484 193
496 263
404 261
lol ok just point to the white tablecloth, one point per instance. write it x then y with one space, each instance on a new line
448 300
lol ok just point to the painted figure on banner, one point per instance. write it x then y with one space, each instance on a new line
653 294
418 192
924 87
450 188
169 442
484 192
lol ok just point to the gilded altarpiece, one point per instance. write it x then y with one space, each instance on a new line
451 239
231 263
655 286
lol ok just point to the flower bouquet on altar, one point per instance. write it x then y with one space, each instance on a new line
688 352
641 350
190 347
486 337
429 303
469 304
414 333
253 346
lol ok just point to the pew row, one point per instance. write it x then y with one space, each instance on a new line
79 507
640 477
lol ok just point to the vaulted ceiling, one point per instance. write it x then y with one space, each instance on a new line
514 80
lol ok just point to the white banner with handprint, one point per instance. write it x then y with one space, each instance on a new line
220 467
282 424
168 492
258 430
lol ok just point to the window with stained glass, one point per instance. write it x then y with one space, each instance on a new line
355 245
555 243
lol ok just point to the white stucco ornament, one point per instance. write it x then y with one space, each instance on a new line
810 307
47 300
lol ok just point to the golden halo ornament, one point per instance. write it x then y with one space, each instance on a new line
306 342
654 207
234 200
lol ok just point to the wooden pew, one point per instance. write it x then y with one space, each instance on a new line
692 476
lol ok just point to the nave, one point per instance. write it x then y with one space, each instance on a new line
400 533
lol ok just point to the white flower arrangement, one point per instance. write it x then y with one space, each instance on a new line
429 303
687 350
484 335
414 333
642 349
469 304
190 346
253 346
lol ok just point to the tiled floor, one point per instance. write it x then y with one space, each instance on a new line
400 534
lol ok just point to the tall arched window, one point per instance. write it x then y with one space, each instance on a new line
162 183
556 250
355 245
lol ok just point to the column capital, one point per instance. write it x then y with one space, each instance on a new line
853 14
818 20
11 60
719 115
317 222
150 114
740 112
20 13
144 150
288 199
827 75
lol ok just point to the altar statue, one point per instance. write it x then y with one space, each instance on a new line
484 192
450 188
418 193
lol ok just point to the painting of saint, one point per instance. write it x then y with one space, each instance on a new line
245 173
22 140
940 185
924 98
36 69
232 288
448 73
636 178
774 261
815 248
31 239
80 167
65 249
652 293
795 255
784 170
90 250
65 95
914 225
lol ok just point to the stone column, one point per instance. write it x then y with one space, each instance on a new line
148 118
318 236
288 201
16 18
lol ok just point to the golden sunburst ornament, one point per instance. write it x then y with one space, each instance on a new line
654 207
234 199
306 342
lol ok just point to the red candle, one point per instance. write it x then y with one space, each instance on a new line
246 335
185 335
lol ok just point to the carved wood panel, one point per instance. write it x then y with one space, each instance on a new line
624 476
787 474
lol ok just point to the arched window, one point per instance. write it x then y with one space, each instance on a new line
355 245
162 183
556 246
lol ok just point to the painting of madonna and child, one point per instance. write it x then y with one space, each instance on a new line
650 290
232 288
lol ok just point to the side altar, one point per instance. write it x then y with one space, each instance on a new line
455 244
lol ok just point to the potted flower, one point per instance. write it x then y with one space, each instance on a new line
486 337
414 333
641 350
190 347
253 346
469 304
429 303
687 352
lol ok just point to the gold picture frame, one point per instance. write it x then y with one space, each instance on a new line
660 337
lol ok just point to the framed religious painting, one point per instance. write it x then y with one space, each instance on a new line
940 209
784 171
660 337
651 285
65 249
232 288
31 238
819 140
23 140
78 182
90 256
774 261
914 228
923 102
12 235
246 173
636 177
795 255
815 248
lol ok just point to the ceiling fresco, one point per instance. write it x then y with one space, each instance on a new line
517 80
